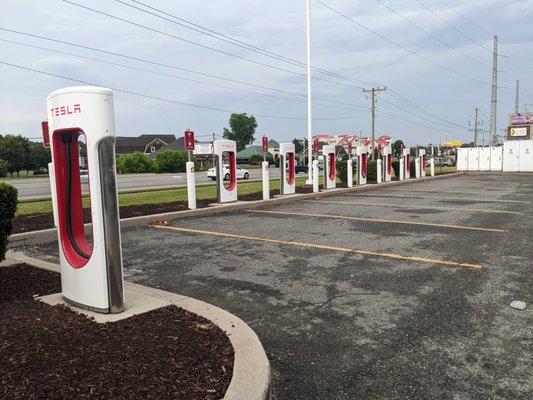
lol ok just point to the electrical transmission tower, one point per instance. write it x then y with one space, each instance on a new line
476 126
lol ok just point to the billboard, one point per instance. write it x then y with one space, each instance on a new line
521 119
518 131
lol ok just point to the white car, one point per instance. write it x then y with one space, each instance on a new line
241 173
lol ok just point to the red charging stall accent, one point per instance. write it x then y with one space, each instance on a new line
290 175
74 243
232 161
363 165
332 167
389 164
408 162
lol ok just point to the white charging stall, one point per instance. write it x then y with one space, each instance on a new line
386 157
422 161
406 158
91 273
362 157
330 167
417 167
473 158
379 171
462 159
349 173
496 158
266 180
287 168
225 155
484 159
316 183
432 166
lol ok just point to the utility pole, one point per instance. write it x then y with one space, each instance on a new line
476 127
374 91
516 100
494 95
309 100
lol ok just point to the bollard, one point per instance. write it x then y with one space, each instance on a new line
379 172
316 187
349 174
401 171
417 167
191 185
266 180
432 167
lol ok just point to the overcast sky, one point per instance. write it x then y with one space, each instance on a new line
339 46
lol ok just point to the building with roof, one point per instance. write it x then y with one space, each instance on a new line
145 143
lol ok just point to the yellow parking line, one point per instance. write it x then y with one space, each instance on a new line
439 198
389 221
391 205
424 260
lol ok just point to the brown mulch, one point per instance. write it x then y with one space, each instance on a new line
54 353
37 222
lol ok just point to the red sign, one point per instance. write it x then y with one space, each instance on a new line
316 146
46 134
265 144
189 140
349 148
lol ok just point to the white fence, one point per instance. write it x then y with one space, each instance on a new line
514 156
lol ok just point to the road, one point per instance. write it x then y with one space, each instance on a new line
40 187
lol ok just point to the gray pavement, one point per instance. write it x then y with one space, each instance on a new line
365 324
40 187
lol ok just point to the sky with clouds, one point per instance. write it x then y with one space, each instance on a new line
441 98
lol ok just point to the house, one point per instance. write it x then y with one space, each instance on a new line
244 156
145 143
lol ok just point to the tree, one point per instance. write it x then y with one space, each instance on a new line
397 148
171 161
242 130
13 151
298 145
39 157
3 168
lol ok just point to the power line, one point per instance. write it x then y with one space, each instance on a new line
453 26
401 45
171 75
138 94
175 67
202 45
471 22
432 35
233 41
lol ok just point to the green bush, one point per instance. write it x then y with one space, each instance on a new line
396 167
8 206
171 161
413 168
3 168
372 171
342 171
135 163
256 159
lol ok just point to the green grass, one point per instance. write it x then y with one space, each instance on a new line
158 196
443 170
23 175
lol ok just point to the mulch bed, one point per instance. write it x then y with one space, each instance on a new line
54 353
37 222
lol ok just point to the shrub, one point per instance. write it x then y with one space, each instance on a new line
8 206
413 168
135 163
342 171
171 161
3 168
256 159
396 168
372 171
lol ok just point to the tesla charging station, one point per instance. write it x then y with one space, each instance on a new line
225 153
387 163
422 159
91 274
189 143
406 158
287 168
361 155
264 169
330 168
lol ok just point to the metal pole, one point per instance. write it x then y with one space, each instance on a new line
475 128
516 100
309 98
494 95
373 123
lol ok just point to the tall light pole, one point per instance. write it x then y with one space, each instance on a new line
309 100
494 95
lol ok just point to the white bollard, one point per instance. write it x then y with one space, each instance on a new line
401 171
417 167
191 185
53 191
316 187
432 166
266 180
379 172
349 174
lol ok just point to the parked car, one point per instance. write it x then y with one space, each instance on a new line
241 173
445 161
301 168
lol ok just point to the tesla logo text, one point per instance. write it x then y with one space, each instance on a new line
66 110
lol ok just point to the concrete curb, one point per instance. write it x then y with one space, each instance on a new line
251 378
50 235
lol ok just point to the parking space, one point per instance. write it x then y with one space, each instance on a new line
394 293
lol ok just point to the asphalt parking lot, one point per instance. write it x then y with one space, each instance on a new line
394 293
